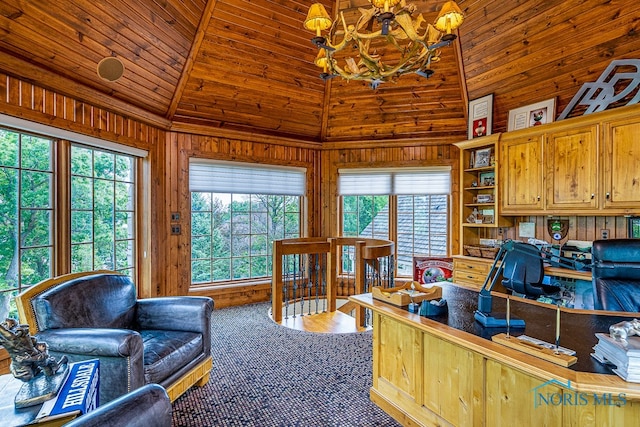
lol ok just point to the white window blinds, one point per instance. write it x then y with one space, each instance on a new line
360 182
215 176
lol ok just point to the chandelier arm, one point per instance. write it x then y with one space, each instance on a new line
401 65
349 35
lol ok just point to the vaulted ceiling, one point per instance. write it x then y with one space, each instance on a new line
247 65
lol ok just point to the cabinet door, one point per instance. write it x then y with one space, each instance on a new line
572 169
521 173
622 164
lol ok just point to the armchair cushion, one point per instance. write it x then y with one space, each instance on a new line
166 351
95 301
615 269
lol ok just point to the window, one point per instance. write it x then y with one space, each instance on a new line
101 210
408 206
237 211
26 214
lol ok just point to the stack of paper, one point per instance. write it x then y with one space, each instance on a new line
623 354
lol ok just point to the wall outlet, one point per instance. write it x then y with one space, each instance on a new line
604 233
175 216
175 229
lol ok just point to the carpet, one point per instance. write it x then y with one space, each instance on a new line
268 375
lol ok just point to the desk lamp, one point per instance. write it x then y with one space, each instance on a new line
522 265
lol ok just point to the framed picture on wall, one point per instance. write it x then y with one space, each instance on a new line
532 115
480 116
633 227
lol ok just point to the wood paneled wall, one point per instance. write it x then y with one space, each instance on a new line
181 147
419 154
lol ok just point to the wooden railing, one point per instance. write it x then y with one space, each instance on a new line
311 274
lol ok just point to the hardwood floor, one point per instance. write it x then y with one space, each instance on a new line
331 323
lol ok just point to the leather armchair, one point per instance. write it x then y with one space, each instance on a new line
615 270
97 315
147 406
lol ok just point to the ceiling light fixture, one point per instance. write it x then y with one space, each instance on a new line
386 41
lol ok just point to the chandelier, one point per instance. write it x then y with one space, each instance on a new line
387 41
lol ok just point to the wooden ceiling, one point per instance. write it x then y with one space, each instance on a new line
247 65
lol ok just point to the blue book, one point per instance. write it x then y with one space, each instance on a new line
79 394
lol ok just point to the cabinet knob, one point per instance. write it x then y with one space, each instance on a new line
593 196
538 198
608 195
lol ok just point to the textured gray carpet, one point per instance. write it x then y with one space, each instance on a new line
268 375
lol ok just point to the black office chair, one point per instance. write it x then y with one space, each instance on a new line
615 270
523 271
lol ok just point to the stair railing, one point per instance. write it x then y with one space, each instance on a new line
311 274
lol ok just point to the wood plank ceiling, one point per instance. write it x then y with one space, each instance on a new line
247 65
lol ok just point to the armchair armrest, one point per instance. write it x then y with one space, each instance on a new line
175 313
94 342
147 406
120 351
184 313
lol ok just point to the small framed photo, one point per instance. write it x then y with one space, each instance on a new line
532 115
480 116
633 227
482 158
487 179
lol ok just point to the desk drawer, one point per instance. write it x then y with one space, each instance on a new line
475 267
471 279
470 272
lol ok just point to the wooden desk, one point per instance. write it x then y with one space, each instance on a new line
447 371
11 417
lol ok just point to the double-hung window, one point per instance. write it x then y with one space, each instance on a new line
409 206
47 182
237 211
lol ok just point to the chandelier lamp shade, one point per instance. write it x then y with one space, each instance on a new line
385 43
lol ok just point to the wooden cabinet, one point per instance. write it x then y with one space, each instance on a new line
621 167
471 271
587 165
571 169
522 184
550 172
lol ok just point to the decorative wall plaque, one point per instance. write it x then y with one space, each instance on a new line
617 86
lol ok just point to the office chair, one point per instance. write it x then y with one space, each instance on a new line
523 271
615 270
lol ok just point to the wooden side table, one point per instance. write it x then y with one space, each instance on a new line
12 417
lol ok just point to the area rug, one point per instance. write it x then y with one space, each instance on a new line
268 375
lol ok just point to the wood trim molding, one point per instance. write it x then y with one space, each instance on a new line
193 52
240 135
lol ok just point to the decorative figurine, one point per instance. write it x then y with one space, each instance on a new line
30 362
621 331
29 356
